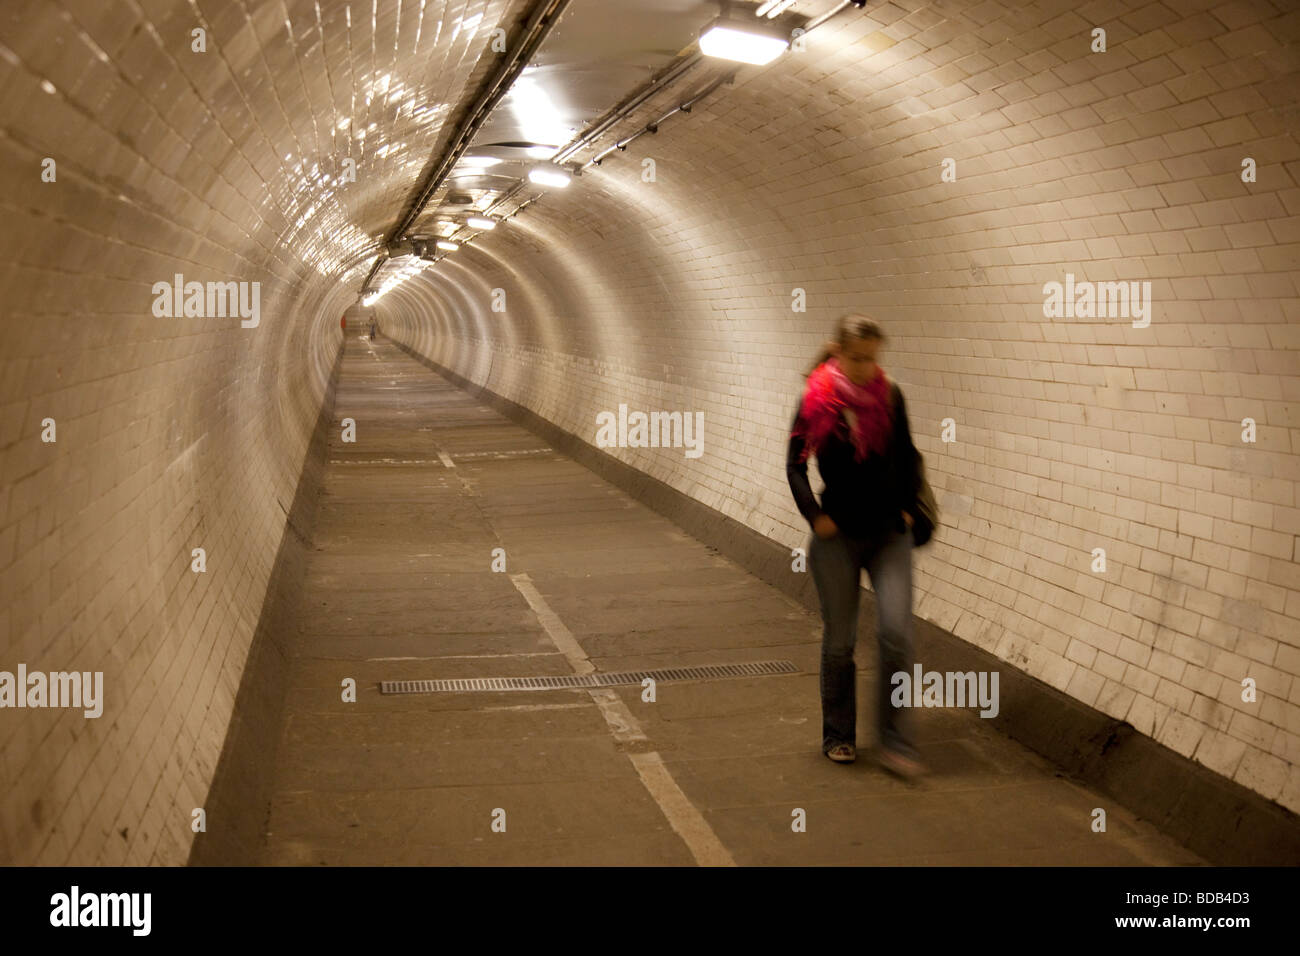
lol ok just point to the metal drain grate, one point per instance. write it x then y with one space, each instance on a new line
385 461
503 454
705 672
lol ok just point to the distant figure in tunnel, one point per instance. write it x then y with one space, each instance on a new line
853 418
372 328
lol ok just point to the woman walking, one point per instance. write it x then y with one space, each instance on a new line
853 418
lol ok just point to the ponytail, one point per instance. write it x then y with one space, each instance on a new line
826 353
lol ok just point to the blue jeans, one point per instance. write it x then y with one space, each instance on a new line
836 564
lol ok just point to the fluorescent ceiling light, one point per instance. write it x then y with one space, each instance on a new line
448 246
549 177
481 160
471 171
481 222
539 118
741 41
541 152
406 266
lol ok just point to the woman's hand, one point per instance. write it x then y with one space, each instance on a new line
908 518
824 527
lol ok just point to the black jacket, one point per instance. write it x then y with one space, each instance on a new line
865 499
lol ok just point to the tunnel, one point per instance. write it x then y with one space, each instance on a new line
398 404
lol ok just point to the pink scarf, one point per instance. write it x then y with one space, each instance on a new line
867 407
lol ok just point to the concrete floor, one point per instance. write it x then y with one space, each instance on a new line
399 586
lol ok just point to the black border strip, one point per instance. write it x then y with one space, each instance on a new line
1211 815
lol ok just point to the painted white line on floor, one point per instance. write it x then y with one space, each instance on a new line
560 634
682 815
457 657
442 457
583 706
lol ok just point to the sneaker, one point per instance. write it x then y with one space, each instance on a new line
843 753
904 766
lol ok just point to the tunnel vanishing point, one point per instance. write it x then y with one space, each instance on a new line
396 401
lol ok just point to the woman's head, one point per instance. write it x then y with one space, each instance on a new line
856 345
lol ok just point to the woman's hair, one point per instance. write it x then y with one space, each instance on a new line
851 326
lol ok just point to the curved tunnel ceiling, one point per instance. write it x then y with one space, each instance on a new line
932 164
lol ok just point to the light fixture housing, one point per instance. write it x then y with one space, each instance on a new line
481 222
549 177
743 41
